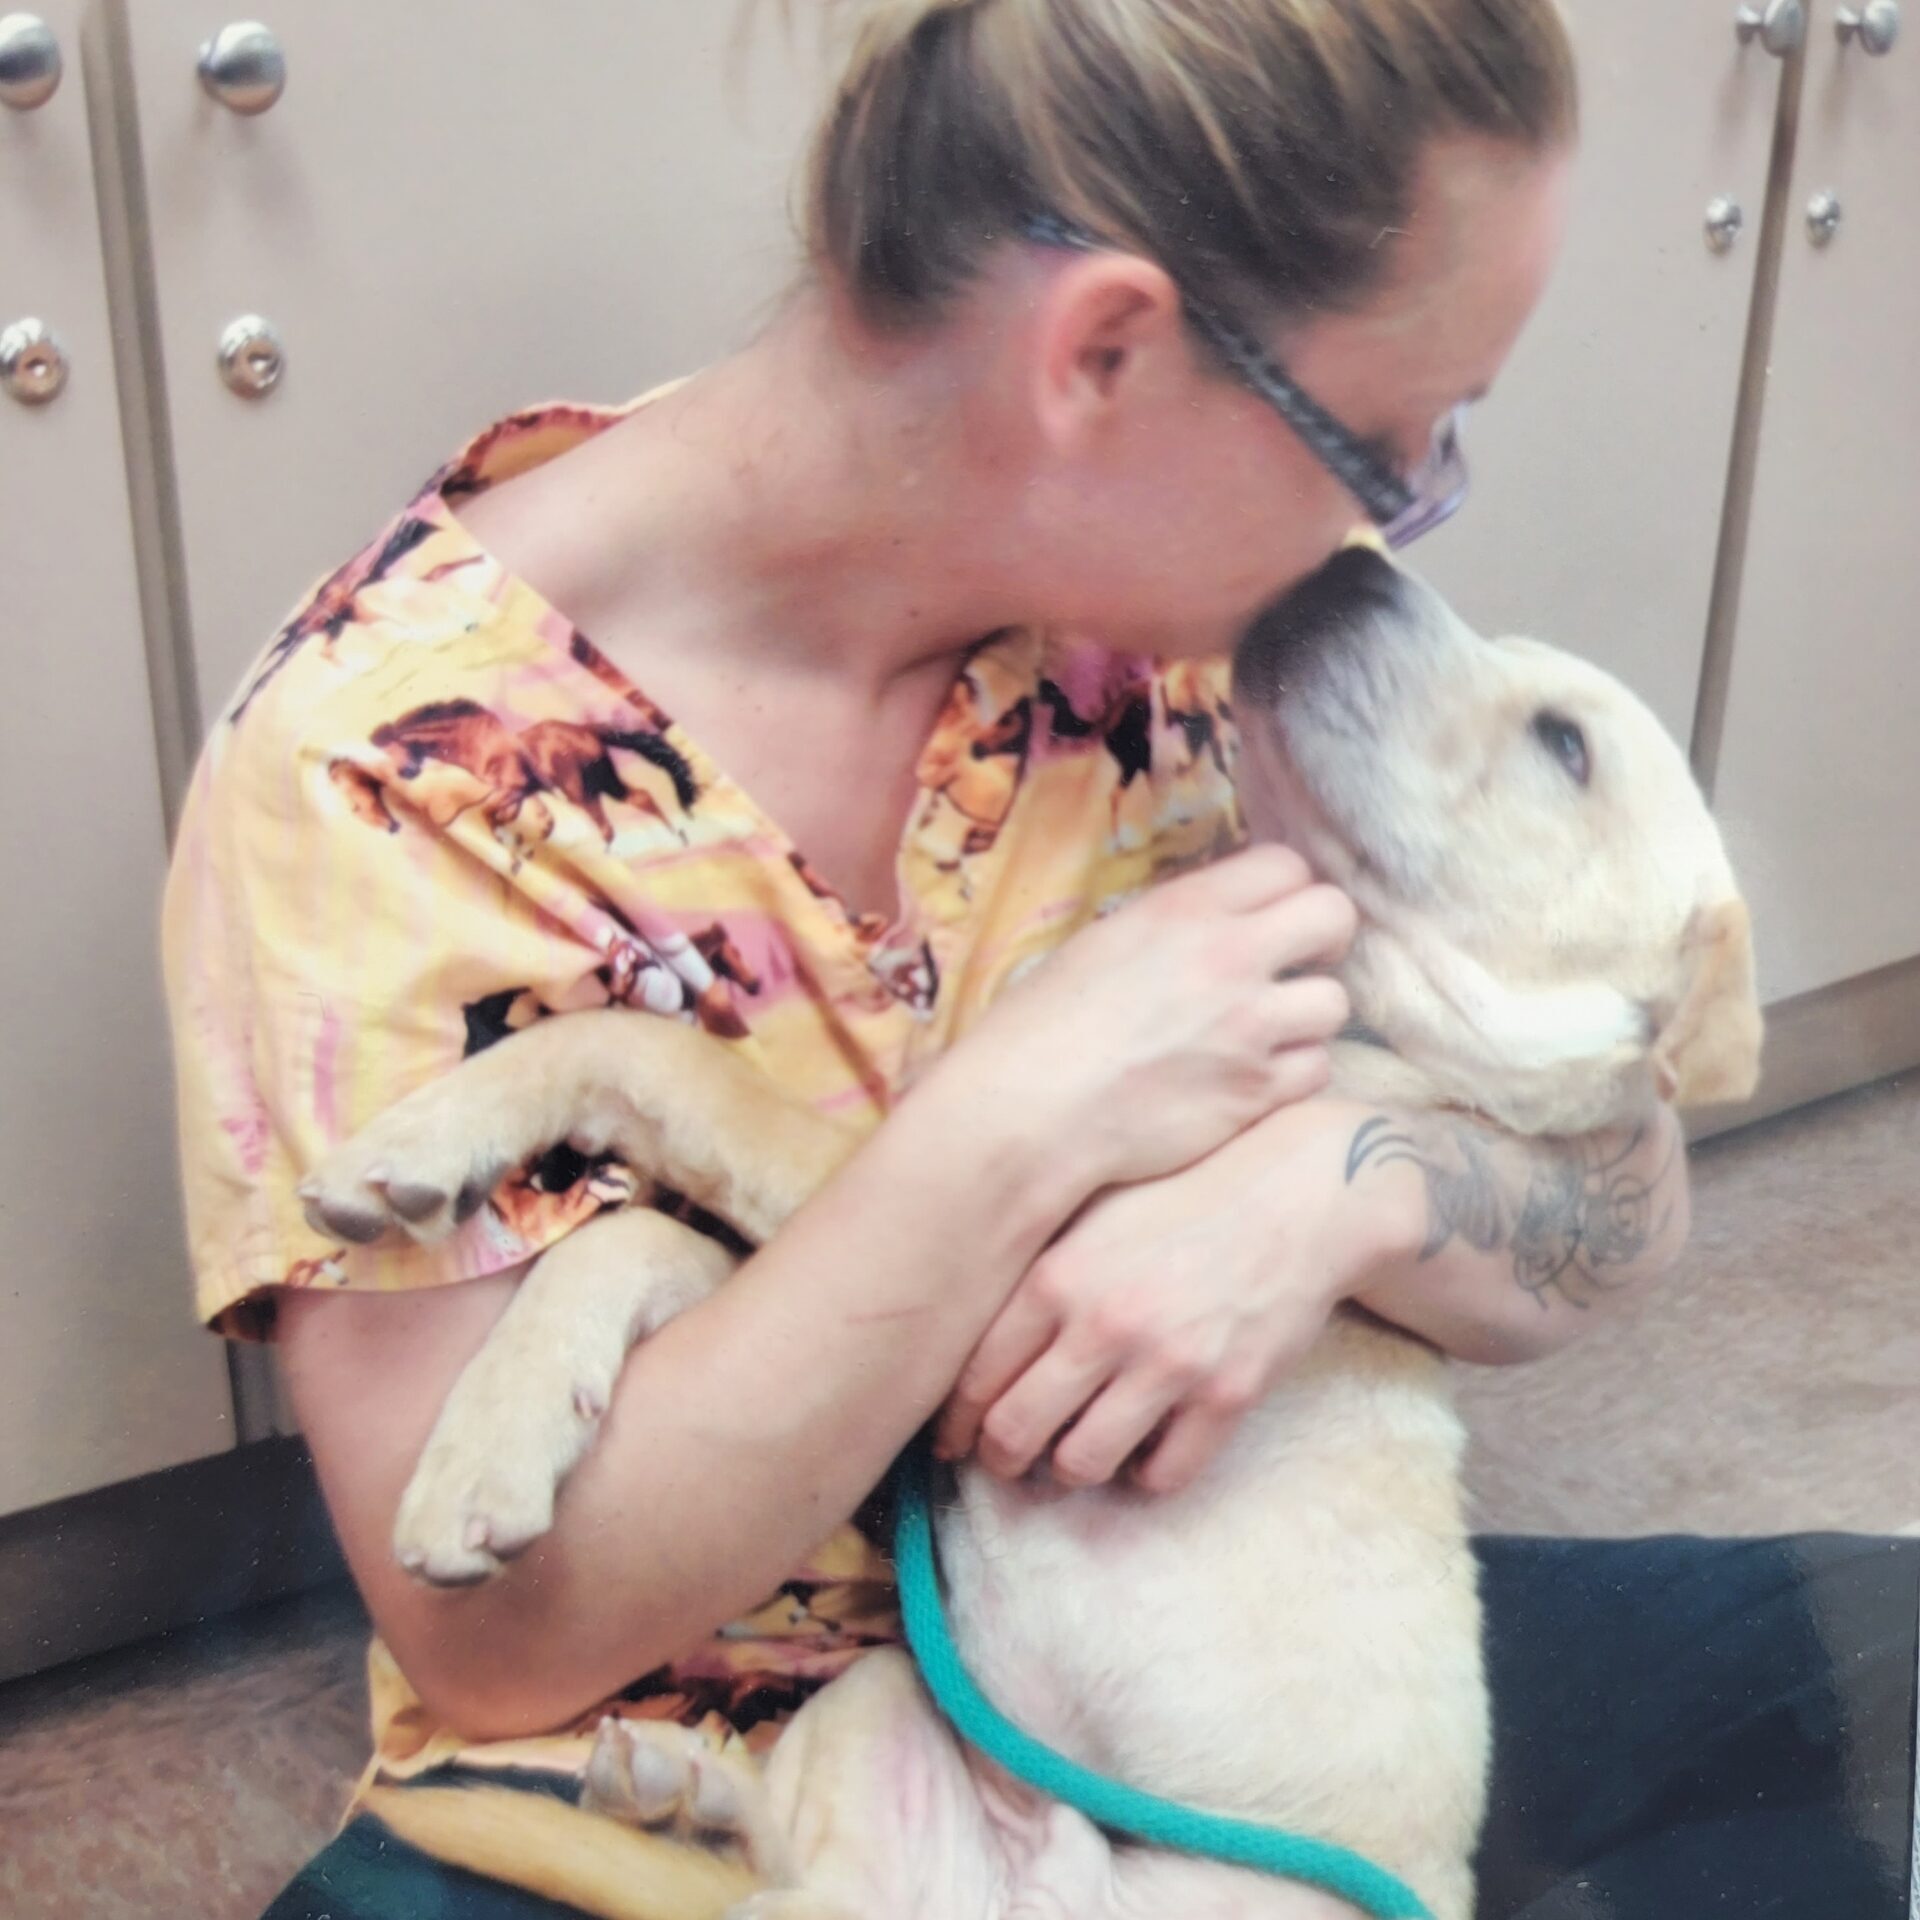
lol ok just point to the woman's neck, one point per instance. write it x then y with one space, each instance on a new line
806 508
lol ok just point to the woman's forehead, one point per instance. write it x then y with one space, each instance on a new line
1470 266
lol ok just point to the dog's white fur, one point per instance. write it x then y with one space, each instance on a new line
1295 1639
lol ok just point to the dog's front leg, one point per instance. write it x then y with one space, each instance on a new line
530 1400
670 1101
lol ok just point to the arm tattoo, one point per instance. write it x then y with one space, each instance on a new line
1576 1214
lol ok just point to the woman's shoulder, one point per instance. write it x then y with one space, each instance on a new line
421 600
334 630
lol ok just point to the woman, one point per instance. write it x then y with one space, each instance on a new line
934 582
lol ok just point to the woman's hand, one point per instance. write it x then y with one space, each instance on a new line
1175 1305
1157 1034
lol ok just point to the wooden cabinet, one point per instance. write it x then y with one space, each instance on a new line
461 206
1819 772
457 207
1600 459
103 1373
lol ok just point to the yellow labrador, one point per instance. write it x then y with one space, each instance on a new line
1550 937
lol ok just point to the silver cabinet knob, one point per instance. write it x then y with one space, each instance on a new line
1823 217
33 364
243 67
1780 26
1876 25
29 61
1723 223
252 358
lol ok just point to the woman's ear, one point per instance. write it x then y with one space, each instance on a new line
1709 1050
1103 324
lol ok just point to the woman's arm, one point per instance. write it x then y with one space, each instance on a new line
1145 1332
1522 1243
742 1434
739 1437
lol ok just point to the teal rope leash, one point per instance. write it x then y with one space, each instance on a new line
1161 1823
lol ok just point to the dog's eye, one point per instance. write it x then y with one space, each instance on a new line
1564 740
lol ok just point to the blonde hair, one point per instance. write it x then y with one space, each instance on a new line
1259 150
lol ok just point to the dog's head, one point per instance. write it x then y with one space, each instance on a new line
1549 926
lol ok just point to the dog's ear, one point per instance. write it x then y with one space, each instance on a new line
1709 1050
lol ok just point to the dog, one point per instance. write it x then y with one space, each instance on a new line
1550 938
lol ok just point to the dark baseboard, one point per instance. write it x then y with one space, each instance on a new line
103 1569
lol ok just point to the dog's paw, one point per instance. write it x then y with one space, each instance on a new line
653 1774
419 1167
462 1519
484 1489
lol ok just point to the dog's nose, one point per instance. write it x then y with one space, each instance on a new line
1357 587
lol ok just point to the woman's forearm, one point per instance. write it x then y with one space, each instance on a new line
739 1437
1521 1242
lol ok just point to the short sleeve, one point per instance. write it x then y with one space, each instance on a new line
329 947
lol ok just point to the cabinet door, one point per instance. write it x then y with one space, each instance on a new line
1600 460
456 208
103 1373
1819 776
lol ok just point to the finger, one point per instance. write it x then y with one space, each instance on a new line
1307 1011
1243 882
1022 1332
1024 1422
1111 1430
1194 1435
1311 928
1298 1073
